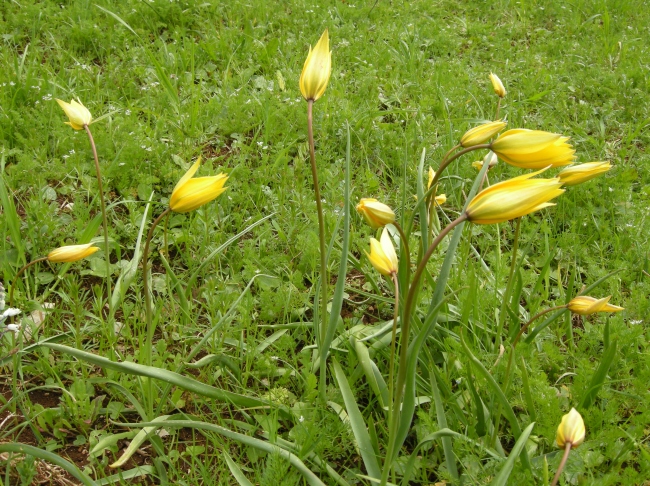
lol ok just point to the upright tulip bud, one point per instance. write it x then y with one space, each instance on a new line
77 113
482 133
190 194
499 90
585 305
382 255
375 213
72 253
571 430
577 174
317 69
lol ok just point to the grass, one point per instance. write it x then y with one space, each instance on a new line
221 81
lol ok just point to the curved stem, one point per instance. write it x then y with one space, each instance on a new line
535 317
405 246
18 274
145 284
391 366
404 337
496 115
324 280
107 249
446 161
567 450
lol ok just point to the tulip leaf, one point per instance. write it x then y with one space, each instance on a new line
236 471
55 459
119 478
501 479
357 423
373 375
136 442
600 376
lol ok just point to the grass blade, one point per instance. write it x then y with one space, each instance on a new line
373 375
136 472
236 471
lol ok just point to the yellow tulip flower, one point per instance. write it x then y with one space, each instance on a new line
432 174
72 253
571 430
190 194
513 198
77 113
382 255
441 199
499 89
375 213
533 149
317 69
577 174
482 133
585 305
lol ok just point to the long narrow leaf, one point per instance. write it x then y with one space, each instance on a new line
136 472
600 376
49 457
373 375
501 479
236 471
357 423
181 381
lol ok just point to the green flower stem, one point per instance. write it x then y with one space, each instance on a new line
324 280
107 250
18 274
391 367
145 283
404 245
496 115
567 450
404 336
506 294
448 160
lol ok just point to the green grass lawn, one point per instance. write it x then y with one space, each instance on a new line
168 81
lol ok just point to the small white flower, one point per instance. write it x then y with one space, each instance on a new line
301 419
13 327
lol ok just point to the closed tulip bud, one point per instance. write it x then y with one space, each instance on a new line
317 69
585 305
499 90
441 199
71 253
382 255
77 113
432 174
482 133
375 213
513 198
190 194
491 158
533 149
581 173
571 430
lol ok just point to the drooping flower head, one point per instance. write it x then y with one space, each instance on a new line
382 255
376 214
77 113
513 198
571 430
481 133
533 149
317 69
578 174
71 253
190 194
499 89
585 305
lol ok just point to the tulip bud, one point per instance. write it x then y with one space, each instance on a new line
441 199
512 199
317 69
382 255
577 174
375 213
77 113
533 149
432 174
72 253
571 430
585 305
190 194
499 90
482 133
